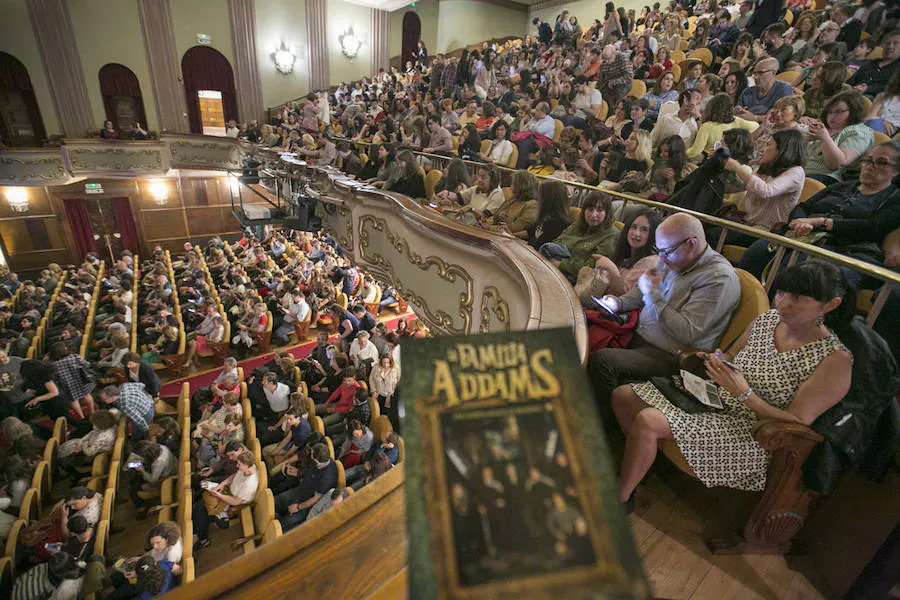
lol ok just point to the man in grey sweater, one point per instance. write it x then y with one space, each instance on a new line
687 304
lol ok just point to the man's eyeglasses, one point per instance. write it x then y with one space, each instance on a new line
669 251
876 162
763 72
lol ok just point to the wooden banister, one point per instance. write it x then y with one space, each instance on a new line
352 551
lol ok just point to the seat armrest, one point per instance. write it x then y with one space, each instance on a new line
774 435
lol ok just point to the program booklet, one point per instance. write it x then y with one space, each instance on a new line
510 489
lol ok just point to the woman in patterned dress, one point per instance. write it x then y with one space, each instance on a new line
791 366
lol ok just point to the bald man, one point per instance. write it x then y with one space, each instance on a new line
687 304
755 102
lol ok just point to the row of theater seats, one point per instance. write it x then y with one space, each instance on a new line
38 344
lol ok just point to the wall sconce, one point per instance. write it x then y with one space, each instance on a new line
18 199
350 43
284 59
160 191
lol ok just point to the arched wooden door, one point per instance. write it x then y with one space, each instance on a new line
20 117
209 88
122 98
412 33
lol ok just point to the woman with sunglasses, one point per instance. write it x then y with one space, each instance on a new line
855 217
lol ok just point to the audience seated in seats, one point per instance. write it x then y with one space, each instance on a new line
790 365
633 256
855 217
154 578
57 579
408 179
682 123
686 302
553 214
756 101
366 319
718 117
226 497
222 426
328 500
520 210
80 451
152 463
342 398
54 527
839 139
775 188
592 234
292 506
872 77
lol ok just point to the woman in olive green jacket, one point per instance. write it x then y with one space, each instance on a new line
593 233
520 211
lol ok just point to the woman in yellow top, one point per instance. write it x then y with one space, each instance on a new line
717 119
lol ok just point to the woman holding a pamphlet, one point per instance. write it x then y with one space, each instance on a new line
789 365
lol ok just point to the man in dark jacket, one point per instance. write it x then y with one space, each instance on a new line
545 32
140 371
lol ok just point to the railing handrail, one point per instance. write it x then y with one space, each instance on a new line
877 271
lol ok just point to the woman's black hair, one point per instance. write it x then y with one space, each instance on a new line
61 565
553 199
77 524
791 146
79 492
58 351
823 282
622 256
677 153
741 82
150 576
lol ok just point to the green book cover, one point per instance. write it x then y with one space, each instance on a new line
510 491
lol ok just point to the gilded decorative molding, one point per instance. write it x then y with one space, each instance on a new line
344 241
116 158
446 271
186 152
491 300
42 169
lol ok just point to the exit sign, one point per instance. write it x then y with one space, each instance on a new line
93 188
204 39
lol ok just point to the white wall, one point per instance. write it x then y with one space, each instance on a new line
463 22
277 21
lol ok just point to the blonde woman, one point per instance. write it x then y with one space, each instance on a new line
672 37
628 172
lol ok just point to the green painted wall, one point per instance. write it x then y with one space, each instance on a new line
17 38
464 22
340 17
109 31
277 21
190 17
428 14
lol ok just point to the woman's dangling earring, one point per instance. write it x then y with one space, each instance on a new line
820 320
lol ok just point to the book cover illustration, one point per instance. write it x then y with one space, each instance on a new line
508 482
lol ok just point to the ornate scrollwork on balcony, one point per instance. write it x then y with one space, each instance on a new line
450 294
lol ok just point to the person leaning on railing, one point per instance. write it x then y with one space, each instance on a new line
855 217
593 233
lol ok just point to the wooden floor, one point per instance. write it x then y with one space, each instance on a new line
674 517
